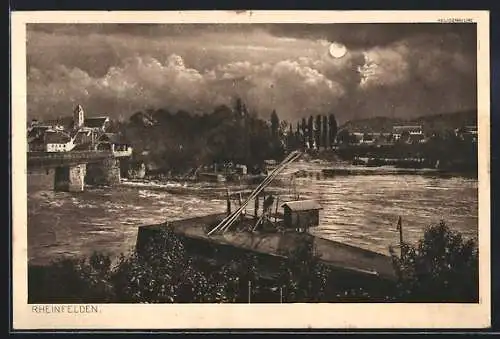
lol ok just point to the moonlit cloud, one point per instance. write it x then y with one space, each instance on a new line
118 71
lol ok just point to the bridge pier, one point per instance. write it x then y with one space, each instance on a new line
70 178
106 172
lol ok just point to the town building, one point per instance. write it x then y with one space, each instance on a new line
411 131
115 143
467 133
36 142
58 141
83 133
80 122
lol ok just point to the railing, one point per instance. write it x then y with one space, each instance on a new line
36 159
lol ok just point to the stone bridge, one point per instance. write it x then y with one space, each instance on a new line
69 171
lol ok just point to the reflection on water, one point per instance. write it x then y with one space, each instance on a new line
358 210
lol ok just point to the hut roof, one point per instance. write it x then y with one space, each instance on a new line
302 205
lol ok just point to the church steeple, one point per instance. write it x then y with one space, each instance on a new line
78 117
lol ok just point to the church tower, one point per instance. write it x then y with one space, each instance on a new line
78 117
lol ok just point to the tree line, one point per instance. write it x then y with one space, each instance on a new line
181 141
314 132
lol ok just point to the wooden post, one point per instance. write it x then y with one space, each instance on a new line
400 229
228 201
249 291
263 202
276 211
240 199
256 206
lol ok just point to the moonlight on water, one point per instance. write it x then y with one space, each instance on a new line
337 50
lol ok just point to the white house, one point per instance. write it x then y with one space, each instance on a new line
397 131
58 141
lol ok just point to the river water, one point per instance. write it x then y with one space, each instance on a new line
360 210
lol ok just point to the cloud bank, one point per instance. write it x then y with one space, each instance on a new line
118 71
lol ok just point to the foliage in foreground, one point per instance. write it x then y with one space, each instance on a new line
442 267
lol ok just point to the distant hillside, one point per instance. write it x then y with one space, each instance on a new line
430 123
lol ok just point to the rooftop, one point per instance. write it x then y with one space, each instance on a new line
96 122
53 137
416 127
302 205
113 138
37 130
83 147
39 139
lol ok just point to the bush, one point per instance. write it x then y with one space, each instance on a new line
72 281
162 273
442 267
303 277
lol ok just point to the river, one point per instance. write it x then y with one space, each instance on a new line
360 210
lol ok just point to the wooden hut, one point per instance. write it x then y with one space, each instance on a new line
301 214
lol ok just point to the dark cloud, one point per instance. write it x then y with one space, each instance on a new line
396 70
366 35
358 35
143 30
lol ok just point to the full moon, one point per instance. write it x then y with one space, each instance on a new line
337 50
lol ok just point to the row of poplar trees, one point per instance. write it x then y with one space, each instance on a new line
319 131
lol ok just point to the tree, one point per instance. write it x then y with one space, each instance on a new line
324 133
343 137
318 129
302 276
297 136
310 131
153 274
240 108
305 134
275 124
332 124
405 137
291 138
442 267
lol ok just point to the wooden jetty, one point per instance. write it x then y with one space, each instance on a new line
339 256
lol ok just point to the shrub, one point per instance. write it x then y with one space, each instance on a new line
303 277
442 267
72 281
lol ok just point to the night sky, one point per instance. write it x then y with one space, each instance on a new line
395 70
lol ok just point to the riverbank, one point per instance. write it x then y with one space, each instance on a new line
392 170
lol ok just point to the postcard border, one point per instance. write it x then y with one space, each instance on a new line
292 316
